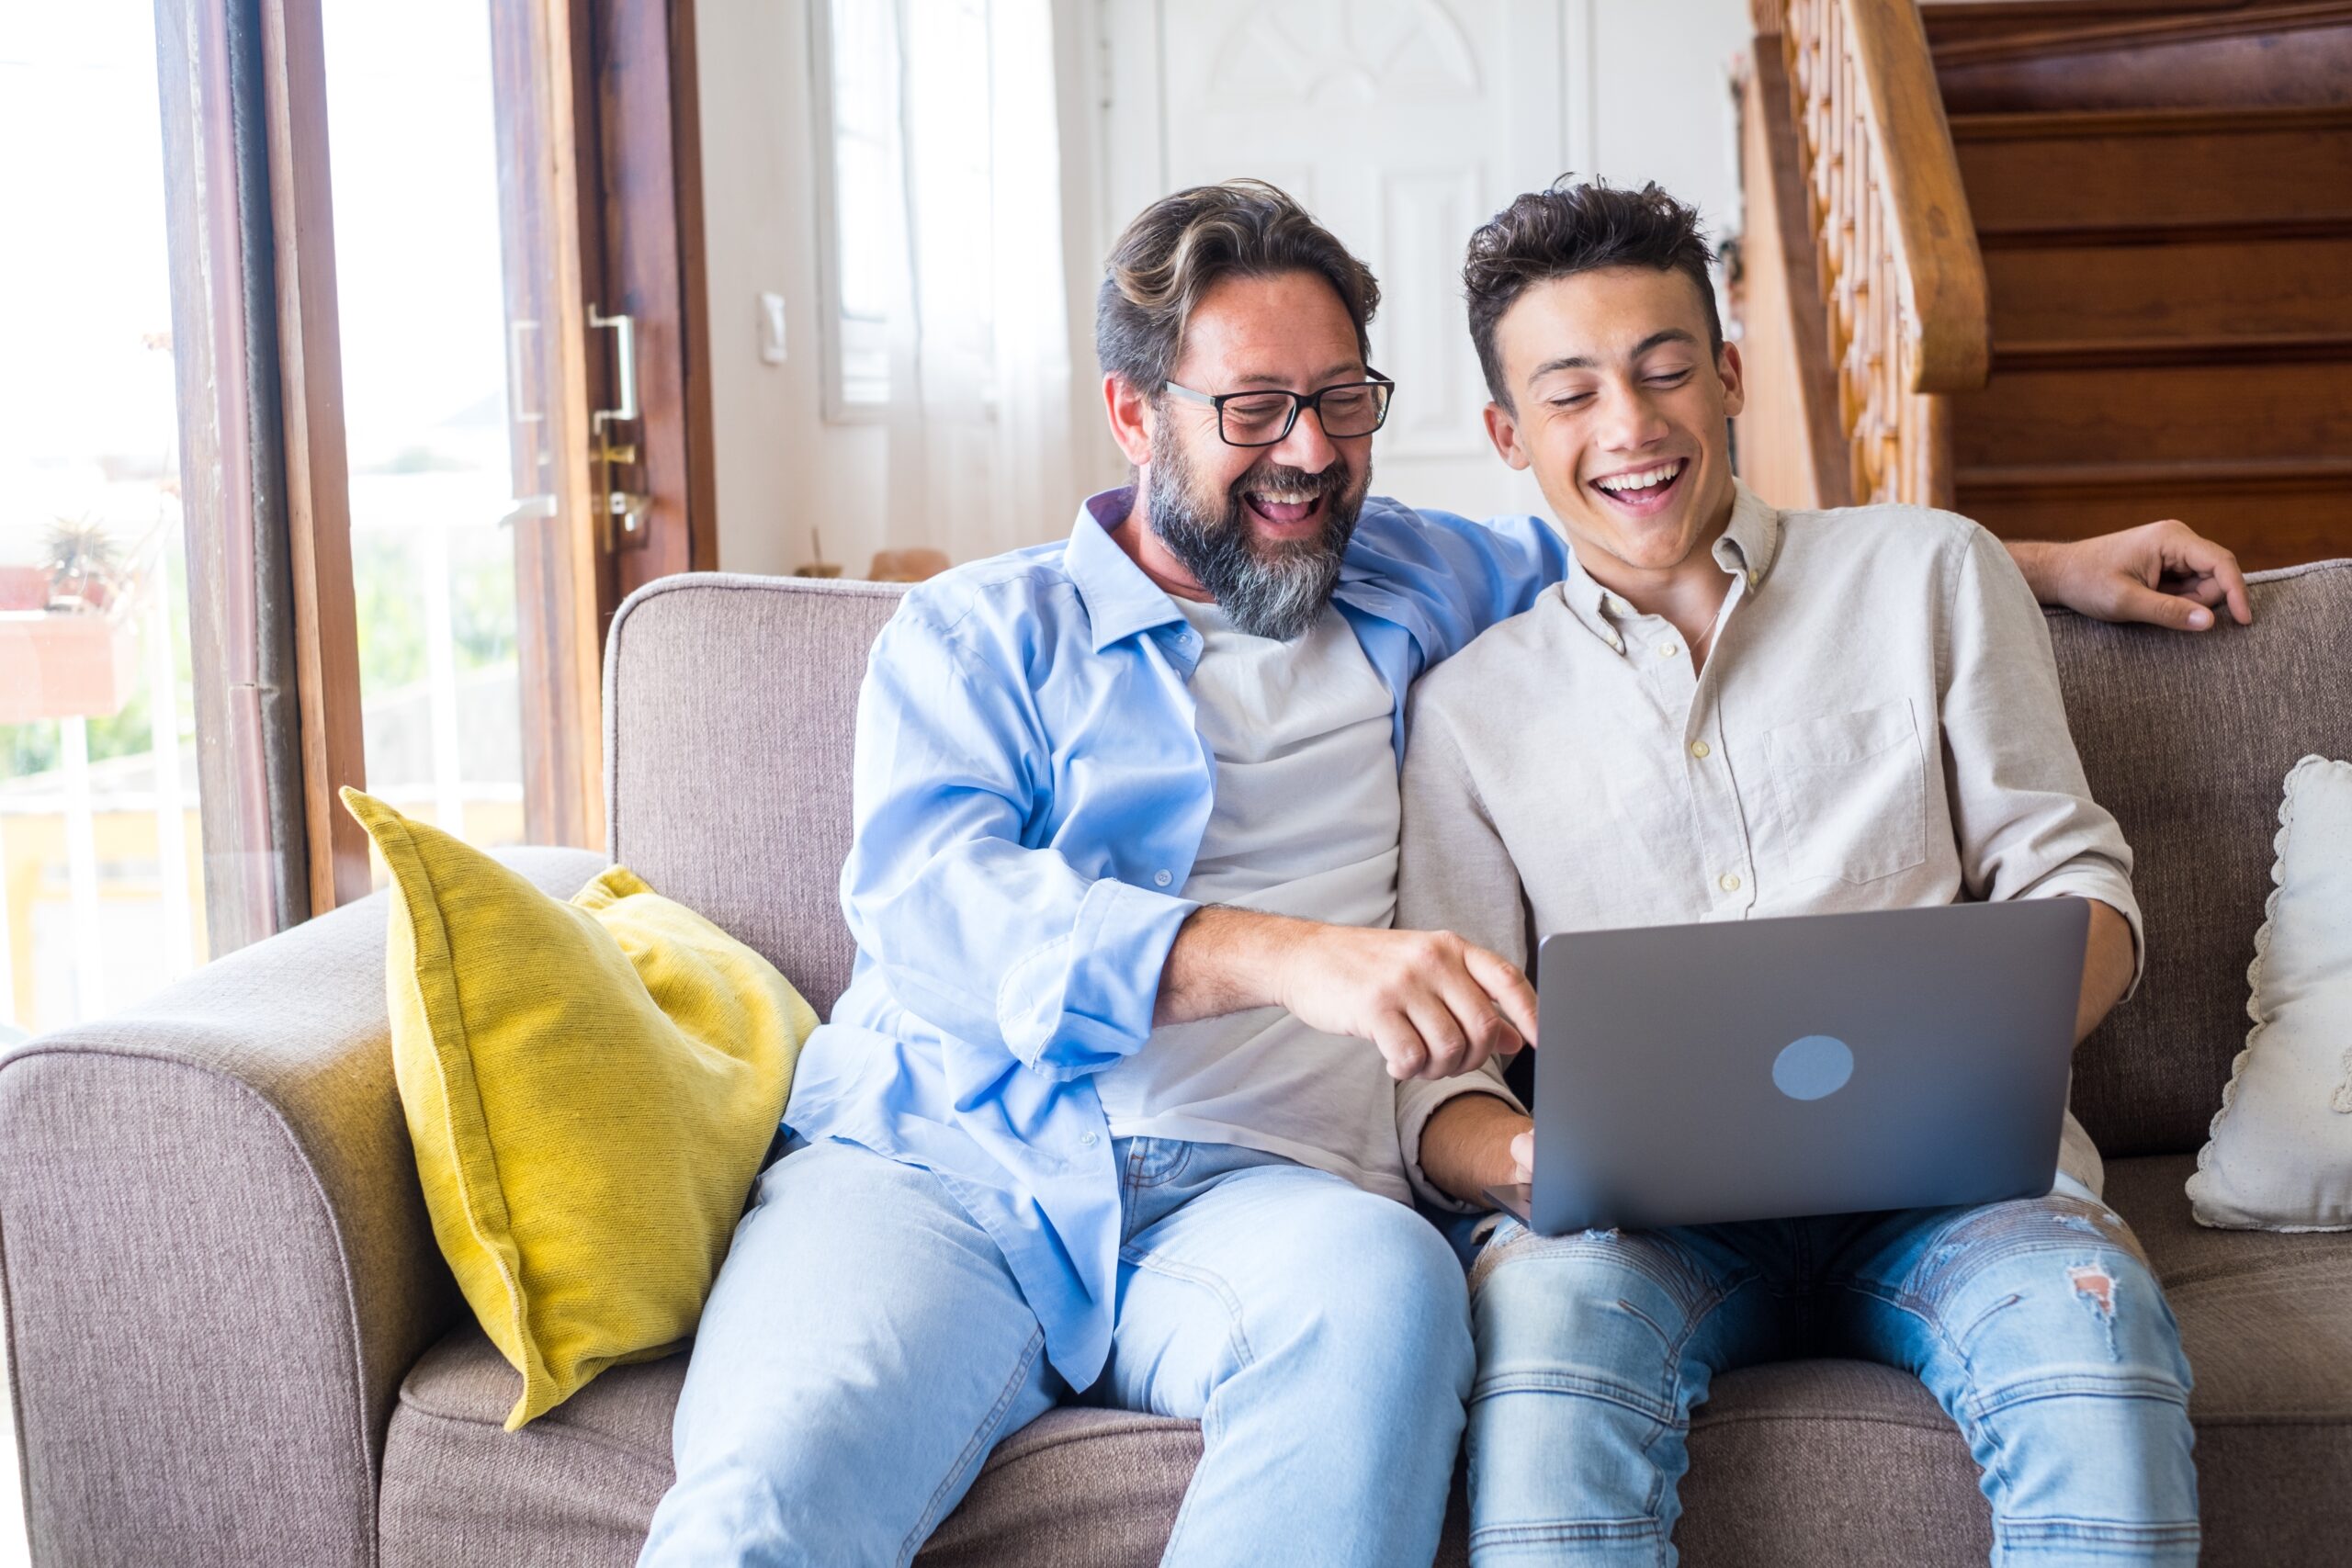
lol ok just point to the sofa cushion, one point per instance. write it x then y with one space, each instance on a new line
2184 738
590 1087
1803 1463
2280 1157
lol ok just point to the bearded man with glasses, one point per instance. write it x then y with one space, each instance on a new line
1124 1103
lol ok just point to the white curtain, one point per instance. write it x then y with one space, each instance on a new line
980 448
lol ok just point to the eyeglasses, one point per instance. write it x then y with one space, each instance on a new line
1264 418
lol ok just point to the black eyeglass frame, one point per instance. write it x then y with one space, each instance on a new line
1299 403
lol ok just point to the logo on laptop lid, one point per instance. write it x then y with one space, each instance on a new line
1813 1069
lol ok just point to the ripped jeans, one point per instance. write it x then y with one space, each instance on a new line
2036 1324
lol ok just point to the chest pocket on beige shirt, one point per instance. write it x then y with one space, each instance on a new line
1849 795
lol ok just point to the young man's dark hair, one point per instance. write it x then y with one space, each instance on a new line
1574 228
1180 246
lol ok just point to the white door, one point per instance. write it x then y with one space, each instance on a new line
1401 124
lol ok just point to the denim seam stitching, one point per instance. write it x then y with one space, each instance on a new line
982 1440
1215 1285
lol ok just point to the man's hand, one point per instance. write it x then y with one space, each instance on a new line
1433 1004
2164 573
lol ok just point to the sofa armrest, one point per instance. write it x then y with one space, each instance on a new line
216 1258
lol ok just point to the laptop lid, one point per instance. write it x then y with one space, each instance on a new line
1812 1065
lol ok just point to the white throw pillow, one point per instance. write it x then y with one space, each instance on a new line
2279 1154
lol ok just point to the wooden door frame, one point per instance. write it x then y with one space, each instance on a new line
634 187
318 469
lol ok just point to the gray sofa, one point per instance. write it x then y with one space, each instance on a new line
234 1342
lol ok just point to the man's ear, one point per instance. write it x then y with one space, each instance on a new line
1735 379
1130 415
1502 429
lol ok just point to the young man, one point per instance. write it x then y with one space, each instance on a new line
1109 1106
1727 711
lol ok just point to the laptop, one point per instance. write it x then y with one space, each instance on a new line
1813 1065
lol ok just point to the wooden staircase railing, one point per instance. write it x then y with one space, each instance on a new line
1892 245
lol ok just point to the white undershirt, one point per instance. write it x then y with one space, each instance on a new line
1305 823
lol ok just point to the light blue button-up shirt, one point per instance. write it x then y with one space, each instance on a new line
1029 792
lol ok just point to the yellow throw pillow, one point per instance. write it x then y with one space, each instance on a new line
590 1088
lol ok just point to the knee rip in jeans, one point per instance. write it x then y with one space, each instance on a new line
2052 1224
2095 1287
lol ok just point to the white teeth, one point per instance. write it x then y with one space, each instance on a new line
1272 499
1644 480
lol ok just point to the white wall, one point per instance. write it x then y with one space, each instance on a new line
781 468
1642 94
1657 79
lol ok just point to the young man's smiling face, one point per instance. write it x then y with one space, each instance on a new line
1619 405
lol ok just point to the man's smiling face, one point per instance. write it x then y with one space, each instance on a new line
1619 406
1261 527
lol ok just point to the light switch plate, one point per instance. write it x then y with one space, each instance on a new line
772 328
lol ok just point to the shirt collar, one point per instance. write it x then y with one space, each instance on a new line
1745 548
1752 539
1120 600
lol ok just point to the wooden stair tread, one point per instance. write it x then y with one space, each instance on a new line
2051 125
2187 474
1962 18
2211 289
2078 34
2135 413
2158 167
2274 55
2152 353
2164 232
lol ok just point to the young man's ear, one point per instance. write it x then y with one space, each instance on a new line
1502 429
1130 415
1734 378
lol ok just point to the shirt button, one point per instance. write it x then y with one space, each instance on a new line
1619 607
1162 878
1700 748
1728 882
1666 650
1090 1139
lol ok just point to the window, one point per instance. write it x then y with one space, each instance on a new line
101 881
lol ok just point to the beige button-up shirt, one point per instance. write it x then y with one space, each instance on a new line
1877 726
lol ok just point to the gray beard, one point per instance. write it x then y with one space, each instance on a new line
1275 592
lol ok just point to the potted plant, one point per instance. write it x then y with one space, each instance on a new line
83 562
77 655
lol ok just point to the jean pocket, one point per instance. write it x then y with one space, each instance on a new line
1850 794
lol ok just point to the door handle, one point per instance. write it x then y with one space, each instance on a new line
616 505
624 330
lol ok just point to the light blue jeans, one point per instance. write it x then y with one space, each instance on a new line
865 1346
2036 1326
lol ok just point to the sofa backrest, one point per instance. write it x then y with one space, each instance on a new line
729 702
2187 739
728 707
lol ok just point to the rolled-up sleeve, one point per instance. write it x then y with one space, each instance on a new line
1453 874
2023 812
974 927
